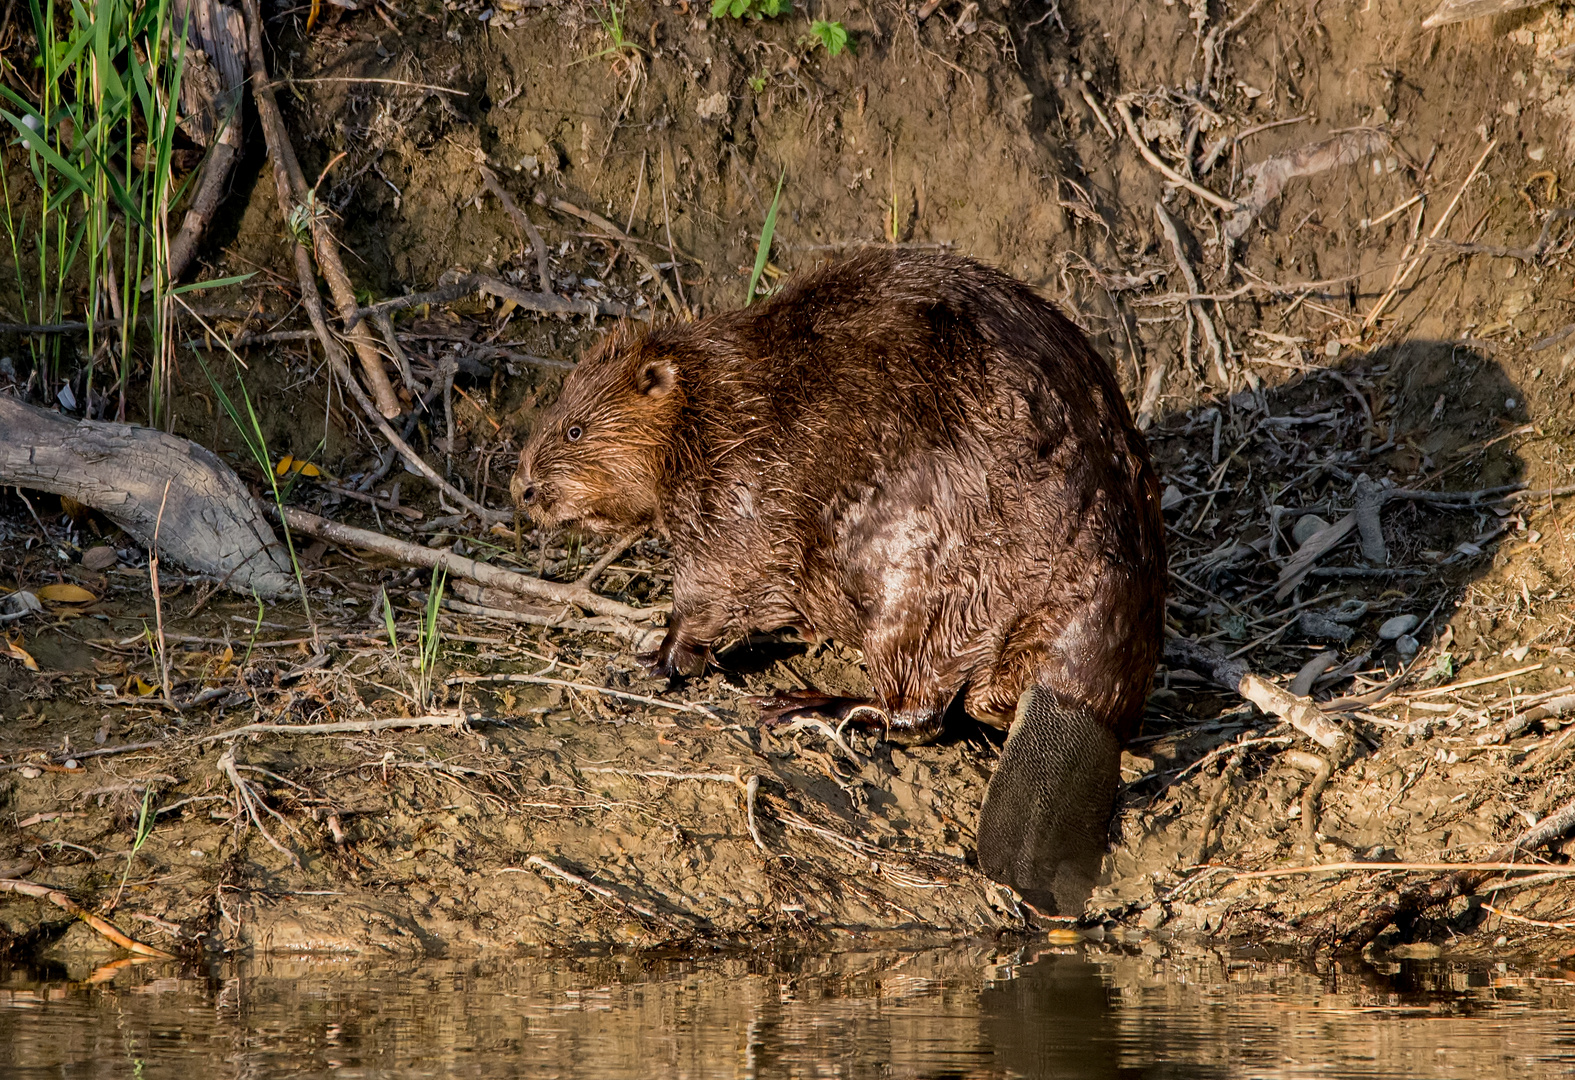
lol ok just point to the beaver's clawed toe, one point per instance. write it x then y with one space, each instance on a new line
785 706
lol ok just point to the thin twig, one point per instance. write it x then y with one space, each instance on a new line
1529 922
65 903
362 79
339 727
483 573
1381 868
544 680
1165 170
248 803
1210 333
529 233
554 870
639 256
751 792
1403 274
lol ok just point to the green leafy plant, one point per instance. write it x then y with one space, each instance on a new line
145 821
619 43
833 35
429 636
388 618
750 9
757 83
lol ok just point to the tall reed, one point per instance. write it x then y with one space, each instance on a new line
98 133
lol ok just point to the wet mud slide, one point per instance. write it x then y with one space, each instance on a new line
1325 250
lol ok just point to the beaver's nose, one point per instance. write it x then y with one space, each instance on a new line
523 487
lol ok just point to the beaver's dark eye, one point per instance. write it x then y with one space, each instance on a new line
574 432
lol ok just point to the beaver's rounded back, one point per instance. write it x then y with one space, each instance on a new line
910 452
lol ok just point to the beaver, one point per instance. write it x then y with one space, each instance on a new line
917 455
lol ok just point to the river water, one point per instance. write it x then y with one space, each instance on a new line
961 1011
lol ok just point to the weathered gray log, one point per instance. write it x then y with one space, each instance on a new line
211 523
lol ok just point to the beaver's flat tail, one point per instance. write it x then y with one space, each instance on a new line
1045 822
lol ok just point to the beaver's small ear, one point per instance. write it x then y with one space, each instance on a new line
655 378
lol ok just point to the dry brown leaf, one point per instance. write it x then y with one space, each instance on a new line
65 593
16 652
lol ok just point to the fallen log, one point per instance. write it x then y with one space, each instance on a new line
211 523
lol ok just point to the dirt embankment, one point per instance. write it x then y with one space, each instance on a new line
1386 318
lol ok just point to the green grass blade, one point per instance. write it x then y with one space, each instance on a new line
39 143
216 283
763 249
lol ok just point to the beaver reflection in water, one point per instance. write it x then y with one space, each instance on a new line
916 455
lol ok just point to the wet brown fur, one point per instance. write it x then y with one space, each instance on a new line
911 453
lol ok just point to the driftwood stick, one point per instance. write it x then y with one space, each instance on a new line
293 191
216 527
457 565
339 727
70 906
1300 713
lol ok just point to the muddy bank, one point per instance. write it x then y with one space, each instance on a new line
1333 346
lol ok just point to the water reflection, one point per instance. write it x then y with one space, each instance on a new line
961 1011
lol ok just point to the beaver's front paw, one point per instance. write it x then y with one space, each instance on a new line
675 659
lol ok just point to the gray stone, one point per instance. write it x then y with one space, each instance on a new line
1407 646
1306 527
1393 628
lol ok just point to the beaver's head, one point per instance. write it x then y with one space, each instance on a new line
596 455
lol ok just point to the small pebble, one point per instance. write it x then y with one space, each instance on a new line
1393 628
1407 646
30 773
1306 527
1500 941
